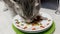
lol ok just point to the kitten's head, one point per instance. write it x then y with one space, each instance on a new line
27 8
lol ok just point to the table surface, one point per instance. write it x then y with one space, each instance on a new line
6 19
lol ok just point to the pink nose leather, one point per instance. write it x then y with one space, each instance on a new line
28 21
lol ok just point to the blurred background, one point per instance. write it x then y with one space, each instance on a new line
50 4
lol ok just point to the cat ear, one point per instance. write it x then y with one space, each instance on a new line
36 3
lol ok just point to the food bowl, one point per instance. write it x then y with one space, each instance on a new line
41 26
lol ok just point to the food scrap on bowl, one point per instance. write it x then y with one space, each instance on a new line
18 26
42 26
47 23
17 22
33 28
25 27
22 24
49 20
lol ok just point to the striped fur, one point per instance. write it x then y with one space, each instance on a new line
25 8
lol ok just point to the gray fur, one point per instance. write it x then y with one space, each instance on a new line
25 8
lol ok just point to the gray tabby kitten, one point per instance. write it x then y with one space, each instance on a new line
28 9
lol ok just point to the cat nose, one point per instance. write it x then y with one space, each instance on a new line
28 20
